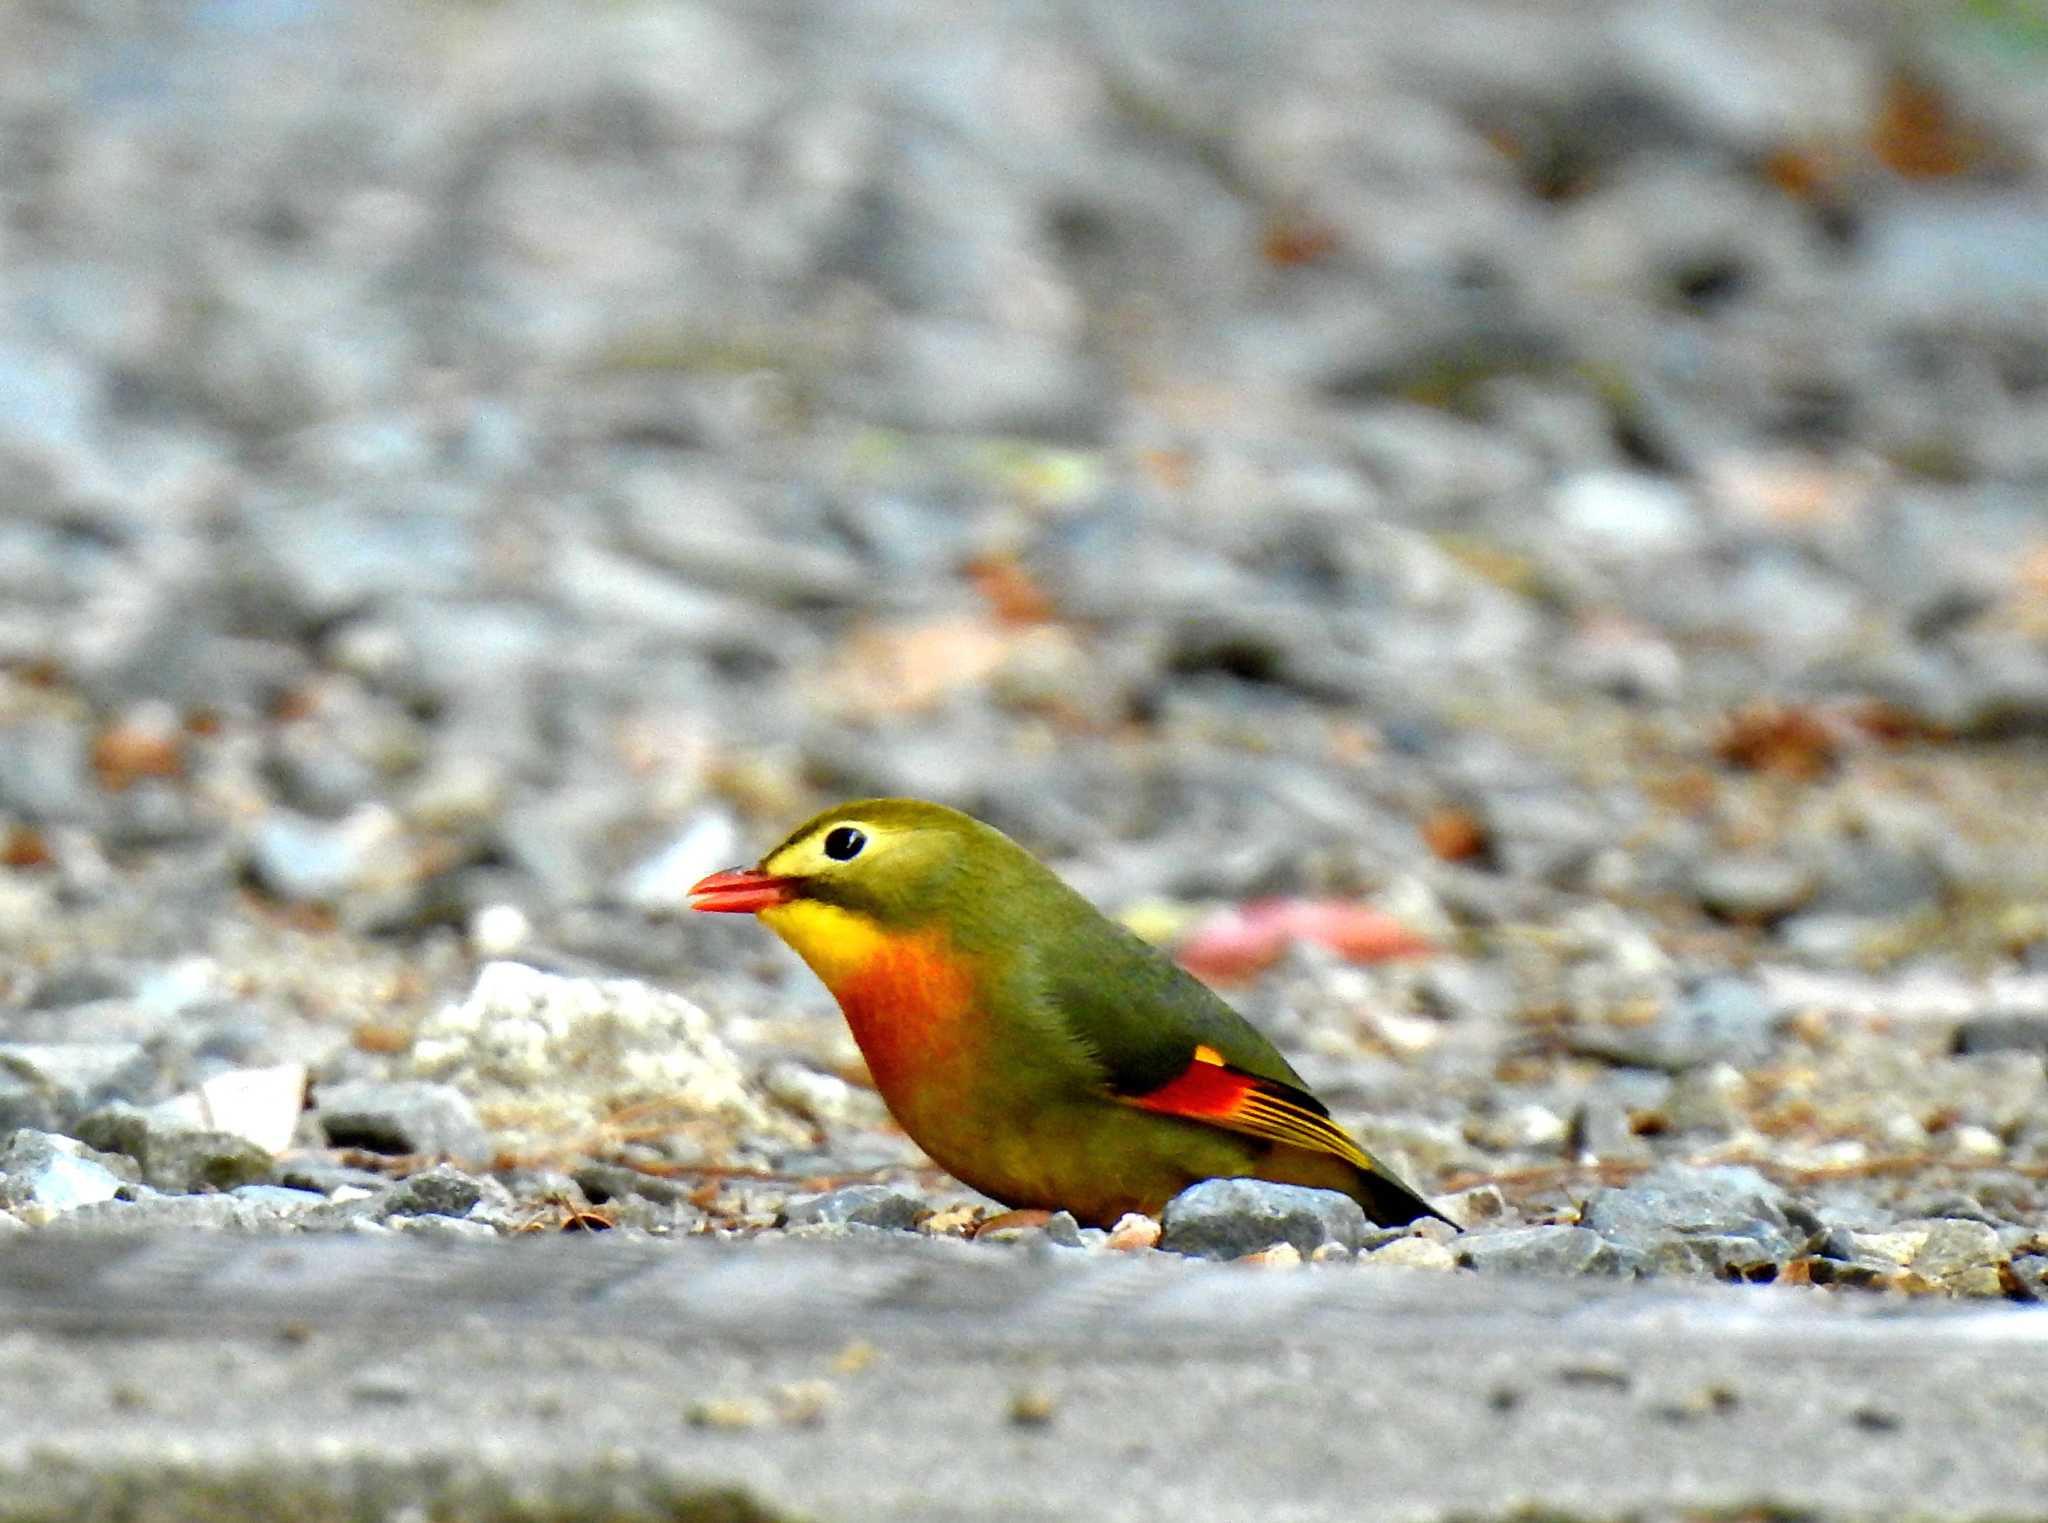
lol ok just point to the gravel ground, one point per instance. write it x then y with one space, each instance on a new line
884 1383
1511 538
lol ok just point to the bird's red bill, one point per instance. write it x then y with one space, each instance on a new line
741 891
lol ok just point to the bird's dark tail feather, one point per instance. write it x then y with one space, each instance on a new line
1392 1204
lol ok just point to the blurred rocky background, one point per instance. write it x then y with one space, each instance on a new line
1511 536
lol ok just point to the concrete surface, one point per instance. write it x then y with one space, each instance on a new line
215 1377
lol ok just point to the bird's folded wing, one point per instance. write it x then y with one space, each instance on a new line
1164 1042
1212 1090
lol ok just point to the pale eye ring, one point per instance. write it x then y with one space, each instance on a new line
844 843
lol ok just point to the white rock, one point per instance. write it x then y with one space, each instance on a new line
546 1057
1971 1141
661 883
1898 1247
822 1097
1625 513
497 930
1413 1253
259 1104
1527 1125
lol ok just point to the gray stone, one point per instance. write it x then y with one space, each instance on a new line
279 1197
1604 1126
1376 1237
969 378
74 1077
122 1019
1542 1250
362 1213
1059 1230
57 1173
24 1106
1954 1247
1707 1099
154 812
1878 879
313 774
1228 1218
857 1205
2002 1033
401 1116
1947 1203
1063 1230
2000 1197
599 584
84 983
602 1182
1837 1243
1721 1256
300 565
1725 1201
176 1159
153 1213
1953 256
1481 1203
2029 1272
1719 1020
706 531
439 1191
313 861
1546 834
1752 887
316 1173
449 1229
557 838
43 772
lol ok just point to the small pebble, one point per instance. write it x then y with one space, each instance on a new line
379 1387
804 1403
1413 1253
856 1206
1279 1256
1473 1207
729 1414
1032 1407
1132 1233
854 1357
499 930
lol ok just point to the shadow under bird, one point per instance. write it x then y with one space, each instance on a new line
1037 1050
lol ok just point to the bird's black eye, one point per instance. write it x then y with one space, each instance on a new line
844 843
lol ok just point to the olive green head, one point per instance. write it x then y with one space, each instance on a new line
899 862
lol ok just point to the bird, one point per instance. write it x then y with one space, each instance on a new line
1035 1049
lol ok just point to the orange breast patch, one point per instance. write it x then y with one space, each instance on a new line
911 1009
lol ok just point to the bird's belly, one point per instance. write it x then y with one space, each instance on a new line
998 1121
1095 1158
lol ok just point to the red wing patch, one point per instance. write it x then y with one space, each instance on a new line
1209 1089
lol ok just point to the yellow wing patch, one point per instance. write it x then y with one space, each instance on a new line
1264 1114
